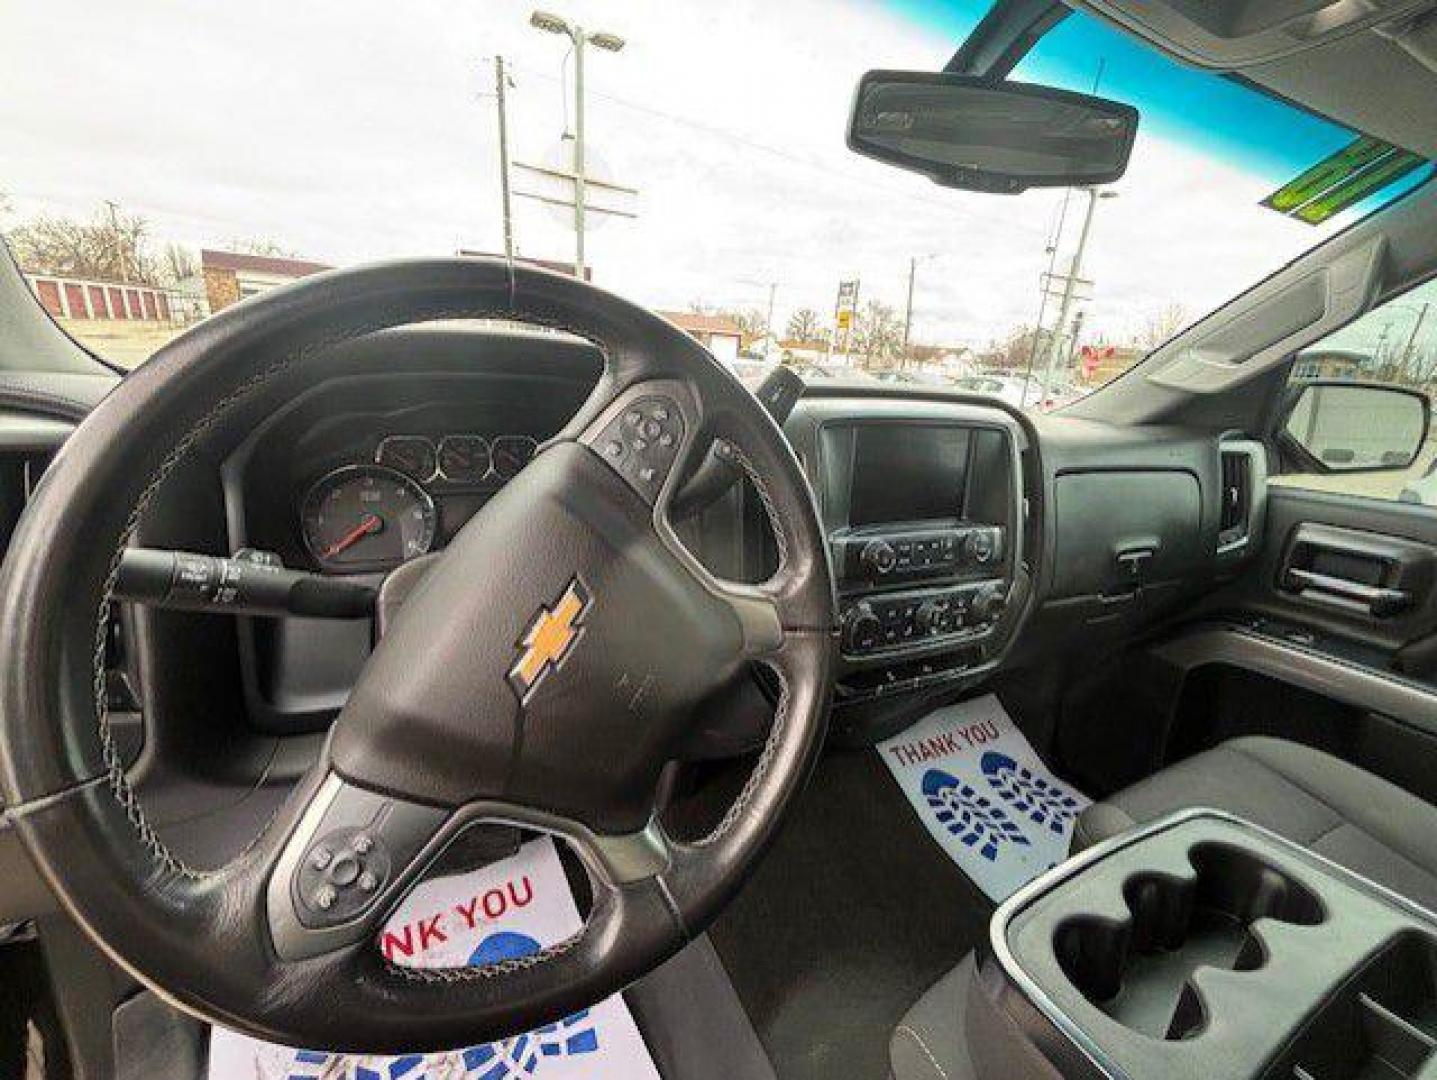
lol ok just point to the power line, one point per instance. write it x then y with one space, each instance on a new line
772 151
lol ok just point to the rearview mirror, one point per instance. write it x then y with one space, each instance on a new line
966 132
1357 427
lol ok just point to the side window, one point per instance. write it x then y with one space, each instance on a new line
1356 414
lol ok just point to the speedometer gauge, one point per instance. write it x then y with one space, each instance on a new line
366 517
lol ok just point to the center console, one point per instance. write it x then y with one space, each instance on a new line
923 512
1202 946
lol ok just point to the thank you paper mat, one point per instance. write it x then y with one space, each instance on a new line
516 906
984 794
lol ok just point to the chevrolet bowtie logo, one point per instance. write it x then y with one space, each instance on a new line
550 639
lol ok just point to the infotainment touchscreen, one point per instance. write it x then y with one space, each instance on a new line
907 472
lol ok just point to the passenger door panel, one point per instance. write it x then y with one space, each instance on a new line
1349 568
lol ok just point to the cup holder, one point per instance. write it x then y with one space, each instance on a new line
1136 969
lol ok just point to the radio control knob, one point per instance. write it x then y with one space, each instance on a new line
861 629
979 547
988 603
878 557
928 617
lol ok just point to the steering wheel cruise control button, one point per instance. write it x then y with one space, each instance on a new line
342 874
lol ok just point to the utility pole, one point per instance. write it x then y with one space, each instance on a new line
1065 309
768 322
121 256
500 79
908 308
1412 338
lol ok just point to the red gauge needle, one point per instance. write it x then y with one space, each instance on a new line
370 524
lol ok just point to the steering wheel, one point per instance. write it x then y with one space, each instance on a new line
541 674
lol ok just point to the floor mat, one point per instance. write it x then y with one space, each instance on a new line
984 794
850 916
507 909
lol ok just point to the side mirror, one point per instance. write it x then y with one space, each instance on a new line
962 131
1348 427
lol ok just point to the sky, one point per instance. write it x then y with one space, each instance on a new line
358 130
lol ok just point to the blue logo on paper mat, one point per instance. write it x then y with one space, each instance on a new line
508 1059
973 818
1041 800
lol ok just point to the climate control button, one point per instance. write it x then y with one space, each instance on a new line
862 629
879 557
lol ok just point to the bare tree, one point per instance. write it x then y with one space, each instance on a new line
112 247
261 245
803 325
751 321
178 263
1161 325
877 332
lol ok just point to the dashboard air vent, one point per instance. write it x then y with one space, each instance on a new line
1243 476
1236 495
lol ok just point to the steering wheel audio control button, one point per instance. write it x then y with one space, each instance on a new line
642 443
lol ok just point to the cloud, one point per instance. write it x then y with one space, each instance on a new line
356 130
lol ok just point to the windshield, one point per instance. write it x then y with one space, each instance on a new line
160 164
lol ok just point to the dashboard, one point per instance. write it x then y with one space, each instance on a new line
943 514
968 542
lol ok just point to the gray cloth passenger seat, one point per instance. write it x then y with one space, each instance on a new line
1329 806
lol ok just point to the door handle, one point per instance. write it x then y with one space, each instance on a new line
1380 602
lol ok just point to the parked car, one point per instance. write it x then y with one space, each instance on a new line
1013 389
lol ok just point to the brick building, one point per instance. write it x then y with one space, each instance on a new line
230 276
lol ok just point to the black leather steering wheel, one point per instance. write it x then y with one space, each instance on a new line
541 674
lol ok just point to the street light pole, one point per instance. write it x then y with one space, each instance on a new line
555 24
1075 269
579 190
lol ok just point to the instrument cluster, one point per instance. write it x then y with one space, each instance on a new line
371 516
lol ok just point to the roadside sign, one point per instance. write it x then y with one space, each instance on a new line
847 306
